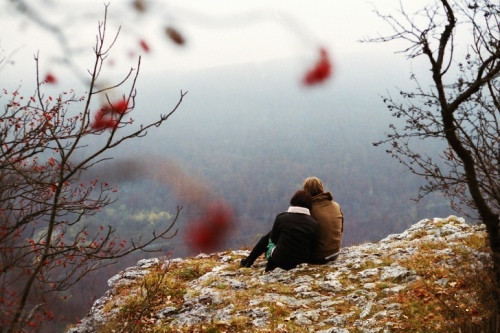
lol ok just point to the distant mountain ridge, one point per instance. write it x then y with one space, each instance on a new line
432 277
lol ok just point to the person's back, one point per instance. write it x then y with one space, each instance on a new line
330 221
292 239
330 226
295 236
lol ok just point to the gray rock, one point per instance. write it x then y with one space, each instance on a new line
165 312
331 285
368 273
370 286
366 310
335 330
305 317
147 263
396 273
393 290
339 319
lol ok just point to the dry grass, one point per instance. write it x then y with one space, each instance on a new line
452 294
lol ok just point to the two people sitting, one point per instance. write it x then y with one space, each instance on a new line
310 231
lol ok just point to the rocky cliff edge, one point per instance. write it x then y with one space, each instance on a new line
433 277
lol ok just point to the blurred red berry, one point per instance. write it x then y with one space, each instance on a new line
201 237
104 120
321 71
104 123
50 78
208 232
144 45
120 106
139 5
108 116
175 36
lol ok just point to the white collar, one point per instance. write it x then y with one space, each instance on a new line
297 209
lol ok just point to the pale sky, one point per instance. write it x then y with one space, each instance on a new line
218 32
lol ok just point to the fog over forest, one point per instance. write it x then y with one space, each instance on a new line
249 135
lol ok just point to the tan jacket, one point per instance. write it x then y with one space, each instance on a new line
331 225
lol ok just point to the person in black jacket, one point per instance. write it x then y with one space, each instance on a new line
292 238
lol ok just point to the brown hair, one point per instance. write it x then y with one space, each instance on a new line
302 199
313 185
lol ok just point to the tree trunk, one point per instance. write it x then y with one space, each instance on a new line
492 227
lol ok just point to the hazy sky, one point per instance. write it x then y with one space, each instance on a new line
218 32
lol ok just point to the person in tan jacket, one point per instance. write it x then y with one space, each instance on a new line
330 219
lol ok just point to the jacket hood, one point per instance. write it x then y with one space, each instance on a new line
323 196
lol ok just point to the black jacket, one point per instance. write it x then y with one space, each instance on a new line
295 236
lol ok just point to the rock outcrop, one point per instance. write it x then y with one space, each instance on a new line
422 278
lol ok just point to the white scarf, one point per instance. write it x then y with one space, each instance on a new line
297 209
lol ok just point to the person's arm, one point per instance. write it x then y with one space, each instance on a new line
315 238
275 231
342 213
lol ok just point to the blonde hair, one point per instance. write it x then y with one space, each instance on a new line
313 185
